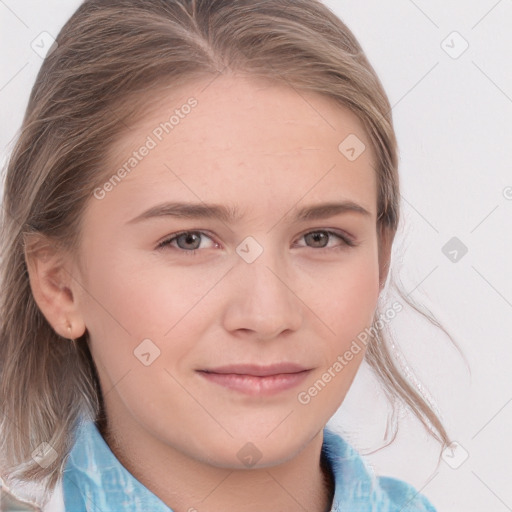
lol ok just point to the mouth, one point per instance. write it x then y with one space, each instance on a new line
257 380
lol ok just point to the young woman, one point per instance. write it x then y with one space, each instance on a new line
197 224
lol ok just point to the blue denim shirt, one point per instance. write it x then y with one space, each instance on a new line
95 481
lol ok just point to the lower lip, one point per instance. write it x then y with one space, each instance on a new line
261 386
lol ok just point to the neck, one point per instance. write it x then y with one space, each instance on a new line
329 482
184 484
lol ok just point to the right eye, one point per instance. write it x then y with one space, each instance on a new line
182 239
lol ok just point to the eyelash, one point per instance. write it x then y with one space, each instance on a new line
347 242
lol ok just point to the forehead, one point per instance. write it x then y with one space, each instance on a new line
236 137
234 107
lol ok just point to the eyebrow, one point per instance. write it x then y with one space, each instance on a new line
232 214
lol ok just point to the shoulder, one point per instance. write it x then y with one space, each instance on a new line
403 496
358 488
356 485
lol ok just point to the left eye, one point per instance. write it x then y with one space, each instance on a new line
321 236
190 241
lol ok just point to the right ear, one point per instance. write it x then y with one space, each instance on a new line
54 290
386 237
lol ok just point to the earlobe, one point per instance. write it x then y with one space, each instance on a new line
51 285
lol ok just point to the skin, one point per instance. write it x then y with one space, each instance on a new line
268 151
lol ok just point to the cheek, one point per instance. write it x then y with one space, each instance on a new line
128 301
356 298
345 296
348 305
134 298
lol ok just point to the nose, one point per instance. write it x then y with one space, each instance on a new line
262 300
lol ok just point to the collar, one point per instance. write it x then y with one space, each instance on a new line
94 479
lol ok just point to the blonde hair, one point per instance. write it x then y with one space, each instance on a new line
111 54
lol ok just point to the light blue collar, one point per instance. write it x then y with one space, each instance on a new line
95 481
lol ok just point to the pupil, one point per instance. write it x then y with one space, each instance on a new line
318 237
189 238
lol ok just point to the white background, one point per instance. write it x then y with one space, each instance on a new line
452 117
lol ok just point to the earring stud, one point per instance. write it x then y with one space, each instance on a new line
69 330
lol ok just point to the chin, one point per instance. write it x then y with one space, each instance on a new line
252 449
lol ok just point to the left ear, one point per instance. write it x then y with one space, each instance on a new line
386 237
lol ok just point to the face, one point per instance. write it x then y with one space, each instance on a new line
255 280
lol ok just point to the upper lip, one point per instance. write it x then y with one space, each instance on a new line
258 370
